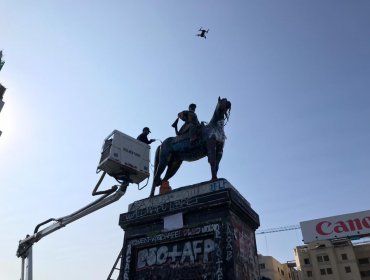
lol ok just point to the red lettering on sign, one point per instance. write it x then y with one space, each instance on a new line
320 230
341 227
352 225
366 222
327 228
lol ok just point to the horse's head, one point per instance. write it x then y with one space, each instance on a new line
222 111
223 107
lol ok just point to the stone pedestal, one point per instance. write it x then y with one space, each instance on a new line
202 231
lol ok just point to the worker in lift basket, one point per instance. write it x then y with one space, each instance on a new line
143 137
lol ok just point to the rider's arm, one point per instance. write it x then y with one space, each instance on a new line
183 115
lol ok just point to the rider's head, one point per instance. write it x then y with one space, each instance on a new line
192 107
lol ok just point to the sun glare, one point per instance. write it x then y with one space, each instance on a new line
11 116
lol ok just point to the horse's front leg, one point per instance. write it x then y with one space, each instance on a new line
212 156
219 153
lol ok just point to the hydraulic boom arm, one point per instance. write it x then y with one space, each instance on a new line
25 246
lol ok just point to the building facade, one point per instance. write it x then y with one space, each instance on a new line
271 269
333 260
362 253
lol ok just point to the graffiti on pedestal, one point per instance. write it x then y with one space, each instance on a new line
245 253
186 193
175 201
193 253
180 253
229 242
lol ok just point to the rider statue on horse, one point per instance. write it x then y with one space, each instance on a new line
193 141
190 125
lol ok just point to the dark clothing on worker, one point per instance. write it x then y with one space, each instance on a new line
143 137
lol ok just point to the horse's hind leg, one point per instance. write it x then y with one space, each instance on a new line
172 168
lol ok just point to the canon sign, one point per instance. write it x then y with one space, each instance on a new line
349 225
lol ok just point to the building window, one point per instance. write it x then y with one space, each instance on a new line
341 243
262 266
344 257
322 271
282 272
309 273
363 261
329 270
324 258
365 273
306 261
304 250
347 269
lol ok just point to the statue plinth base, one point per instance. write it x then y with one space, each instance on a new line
202 231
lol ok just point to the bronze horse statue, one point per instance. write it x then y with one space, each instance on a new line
209 142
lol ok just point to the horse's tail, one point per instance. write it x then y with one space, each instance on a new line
156 160
156 177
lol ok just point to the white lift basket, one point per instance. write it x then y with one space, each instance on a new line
125 158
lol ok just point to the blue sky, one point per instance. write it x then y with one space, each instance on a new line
296 72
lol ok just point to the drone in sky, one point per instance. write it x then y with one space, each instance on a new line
202 33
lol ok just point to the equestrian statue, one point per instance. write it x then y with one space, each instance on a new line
192 143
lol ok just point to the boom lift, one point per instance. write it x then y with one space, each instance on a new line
125 159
